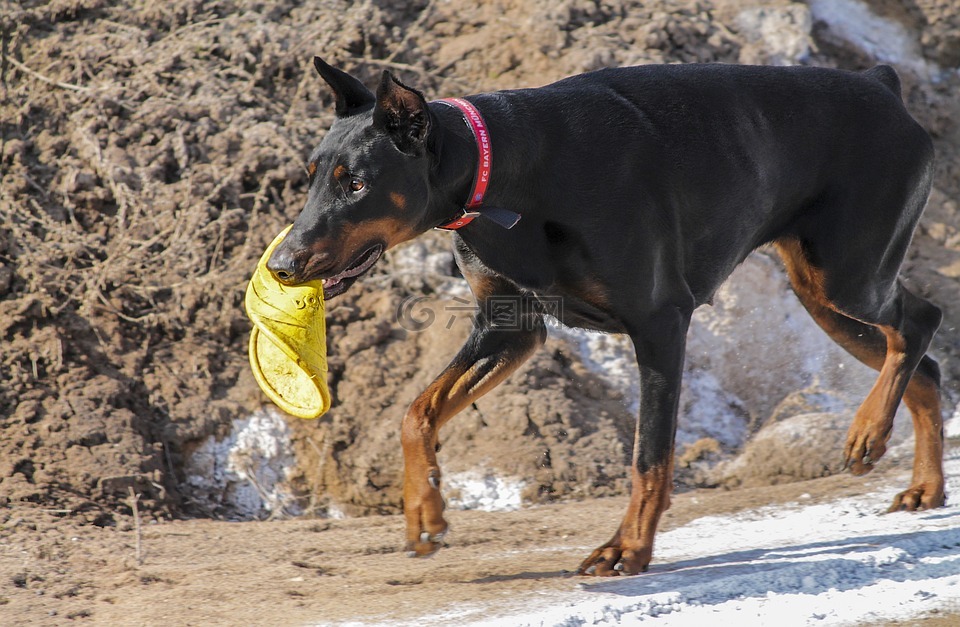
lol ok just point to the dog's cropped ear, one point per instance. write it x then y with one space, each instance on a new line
402 112
350 94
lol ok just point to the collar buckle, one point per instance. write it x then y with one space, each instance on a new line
466 218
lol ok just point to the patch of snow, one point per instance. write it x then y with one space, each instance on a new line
334 512
710 411
707 410
837 564
485 492
610 356
883 39
951 429
761 344
244 475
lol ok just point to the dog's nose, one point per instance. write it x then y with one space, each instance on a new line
282 265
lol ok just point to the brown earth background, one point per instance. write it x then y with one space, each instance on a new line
151 150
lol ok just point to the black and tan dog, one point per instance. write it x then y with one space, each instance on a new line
640 191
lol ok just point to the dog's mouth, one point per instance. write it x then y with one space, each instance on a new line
338 284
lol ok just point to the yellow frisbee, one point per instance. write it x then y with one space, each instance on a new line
288 345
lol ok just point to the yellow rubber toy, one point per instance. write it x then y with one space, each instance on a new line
288 343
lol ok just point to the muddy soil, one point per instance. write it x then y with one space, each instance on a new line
150 151
297 572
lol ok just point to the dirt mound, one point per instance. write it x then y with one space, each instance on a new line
149 153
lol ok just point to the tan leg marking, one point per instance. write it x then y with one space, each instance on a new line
632 545
456 388
922 398
871 427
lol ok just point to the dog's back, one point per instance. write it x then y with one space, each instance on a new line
706 148
695 121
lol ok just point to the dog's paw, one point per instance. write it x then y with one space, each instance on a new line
865 446
611 561
427 544
918 497
423 507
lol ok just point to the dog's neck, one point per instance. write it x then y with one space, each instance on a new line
476 204
455 151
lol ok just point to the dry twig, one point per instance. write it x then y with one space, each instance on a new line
134 499
45 79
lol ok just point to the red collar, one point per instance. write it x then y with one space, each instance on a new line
484 162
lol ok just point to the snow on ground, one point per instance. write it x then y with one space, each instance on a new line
484 491
244 476
883 39
838 563
951 427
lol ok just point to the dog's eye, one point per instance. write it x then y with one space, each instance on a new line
356 184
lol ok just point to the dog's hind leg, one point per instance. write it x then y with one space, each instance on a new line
894 349
495 348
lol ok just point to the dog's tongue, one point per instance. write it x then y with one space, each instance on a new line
370 258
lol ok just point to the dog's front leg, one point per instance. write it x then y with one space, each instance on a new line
659 344
493 350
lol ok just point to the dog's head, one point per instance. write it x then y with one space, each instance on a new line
369 184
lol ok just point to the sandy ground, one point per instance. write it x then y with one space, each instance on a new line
148 152
321 571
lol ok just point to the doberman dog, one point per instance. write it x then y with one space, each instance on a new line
640 190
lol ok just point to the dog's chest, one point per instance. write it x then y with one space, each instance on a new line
572 309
